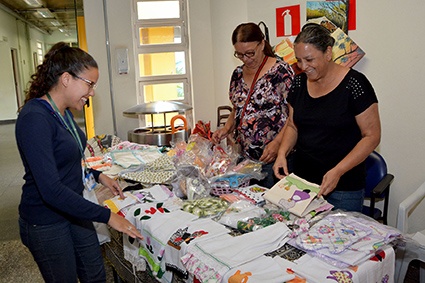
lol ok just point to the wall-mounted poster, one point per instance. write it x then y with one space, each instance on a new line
351 14
335 11
345 51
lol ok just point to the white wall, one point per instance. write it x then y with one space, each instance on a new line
8 40
16 34
386 30
8 105
124 88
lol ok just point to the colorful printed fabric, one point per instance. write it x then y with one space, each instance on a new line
335 236
100 144
379 237
266 112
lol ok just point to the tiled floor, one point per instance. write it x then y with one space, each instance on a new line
11 172
14 256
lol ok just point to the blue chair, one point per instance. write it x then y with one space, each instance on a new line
378 182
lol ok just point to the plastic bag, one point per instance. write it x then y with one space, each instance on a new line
190 183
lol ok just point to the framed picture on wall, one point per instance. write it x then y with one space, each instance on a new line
334 11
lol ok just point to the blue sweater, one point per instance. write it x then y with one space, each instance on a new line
53 172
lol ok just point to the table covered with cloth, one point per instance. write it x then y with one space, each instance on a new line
181 247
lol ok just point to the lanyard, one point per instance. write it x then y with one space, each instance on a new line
69 125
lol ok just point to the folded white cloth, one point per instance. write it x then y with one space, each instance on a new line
259 270
209 260
126 158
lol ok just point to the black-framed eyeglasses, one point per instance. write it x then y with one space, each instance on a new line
91 84
248 54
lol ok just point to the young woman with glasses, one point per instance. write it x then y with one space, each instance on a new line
55 219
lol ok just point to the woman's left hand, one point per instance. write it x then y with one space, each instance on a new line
329 182
270 152
112 184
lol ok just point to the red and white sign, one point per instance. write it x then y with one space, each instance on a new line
288 21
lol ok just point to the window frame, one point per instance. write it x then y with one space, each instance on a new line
183 46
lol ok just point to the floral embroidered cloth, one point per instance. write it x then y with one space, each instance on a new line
351 252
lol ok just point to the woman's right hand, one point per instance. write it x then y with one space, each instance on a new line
121 224
219 134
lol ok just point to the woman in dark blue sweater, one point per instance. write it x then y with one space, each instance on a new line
55 220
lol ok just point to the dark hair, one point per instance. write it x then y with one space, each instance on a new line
61 58
316 35
250 32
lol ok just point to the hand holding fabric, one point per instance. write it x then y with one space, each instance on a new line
111 184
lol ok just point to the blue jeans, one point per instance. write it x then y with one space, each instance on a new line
270 178
64 251
347 200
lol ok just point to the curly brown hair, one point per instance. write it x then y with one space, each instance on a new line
61 58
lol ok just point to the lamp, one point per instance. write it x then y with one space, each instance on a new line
56 23
33 3
44 13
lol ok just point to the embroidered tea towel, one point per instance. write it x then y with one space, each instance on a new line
209 260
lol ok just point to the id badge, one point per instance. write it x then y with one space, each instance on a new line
89 181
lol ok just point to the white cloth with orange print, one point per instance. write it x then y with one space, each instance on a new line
210 260
259 270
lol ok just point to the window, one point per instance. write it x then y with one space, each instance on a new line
38 54
162 53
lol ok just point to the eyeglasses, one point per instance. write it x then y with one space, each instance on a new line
248 54
92 85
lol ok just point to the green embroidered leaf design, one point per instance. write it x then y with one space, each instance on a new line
158 205
145 217
137 212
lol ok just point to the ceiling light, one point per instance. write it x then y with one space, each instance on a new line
56 23
33 3
44 13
